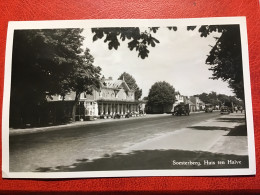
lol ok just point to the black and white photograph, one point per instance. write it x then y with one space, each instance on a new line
120 98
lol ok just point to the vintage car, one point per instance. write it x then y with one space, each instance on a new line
128 115
208 108
224 110
181 109
230 106
117 116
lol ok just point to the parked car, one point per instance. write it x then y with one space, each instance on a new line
128 115
181 109
224 110
208 108
230 106
117 116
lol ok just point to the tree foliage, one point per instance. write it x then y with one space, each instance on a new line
210 98
161 94
131 82
225 57
46 63
219 99
137 40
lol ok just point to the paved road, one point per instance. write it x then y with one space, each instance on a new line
64 147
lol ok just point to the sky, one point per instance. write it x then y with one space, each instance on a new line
178 59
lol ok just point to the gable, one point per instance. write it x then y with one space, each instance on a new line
117 84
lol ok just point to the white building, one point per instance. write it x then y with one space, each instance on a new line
114 97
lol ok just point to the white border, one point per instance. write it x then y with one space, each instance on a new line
127 23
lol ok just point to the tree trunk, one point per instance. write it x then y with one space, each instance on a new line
74 108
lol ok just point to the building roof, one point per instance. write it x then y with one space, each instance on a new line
177 93
196 99
190 102
116 84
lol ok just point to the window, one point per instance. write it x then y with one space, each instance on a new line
83 96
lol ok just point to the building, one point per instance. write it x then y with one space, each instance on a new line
178 99
184 99
192 106
199 105
114 97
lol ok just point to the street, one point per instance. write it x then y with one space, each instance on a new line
52 150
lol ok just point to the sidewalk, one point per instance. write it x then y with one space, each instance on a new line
203 145
79 124
209 136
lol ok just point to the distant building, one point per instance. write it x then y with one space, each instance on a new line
195 104
199 105
178 99
192 106
184 99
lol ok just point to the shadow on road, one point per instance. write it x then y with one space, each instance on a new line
240 130
210 128
154 159
232 120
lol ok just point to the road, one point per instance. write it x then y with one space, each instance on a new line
29 152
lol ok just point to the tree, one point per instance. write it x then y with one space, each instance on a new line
223 98
161 94
131 82
46 63
84 78
225 57
218 99
213 98
236 101
204 97
210 98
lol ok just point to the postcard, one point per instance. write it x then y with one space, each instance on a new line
127 98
